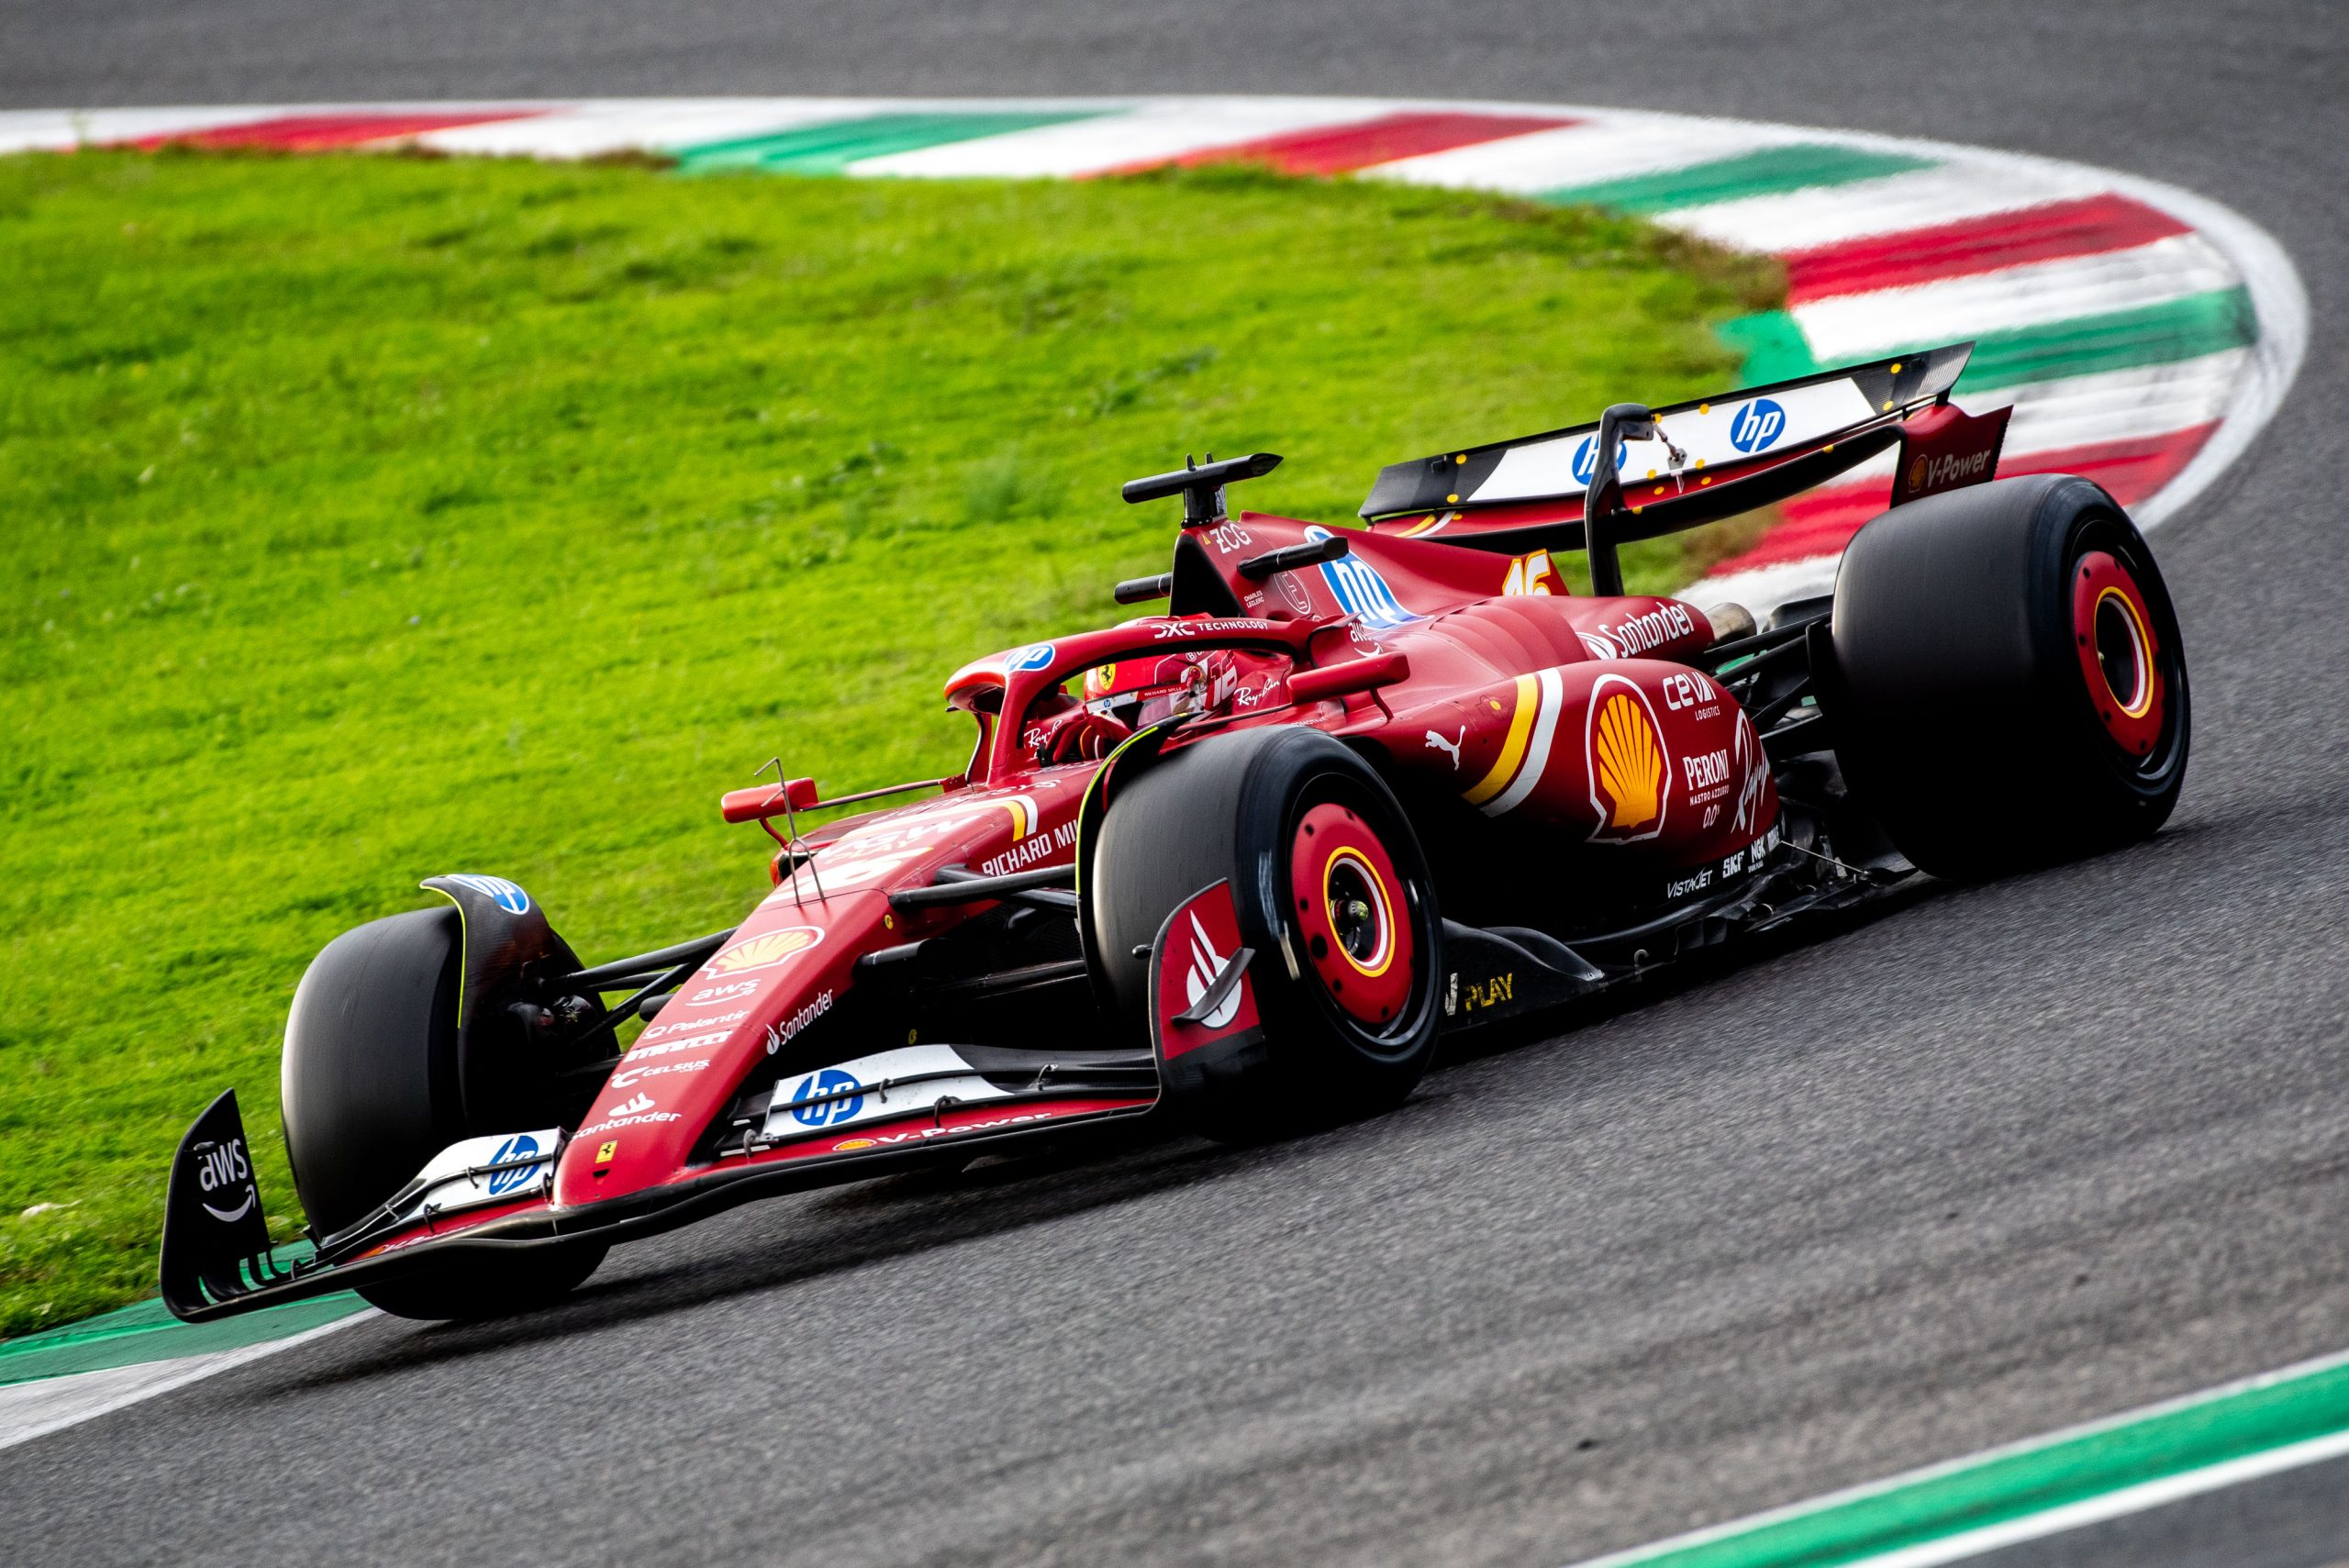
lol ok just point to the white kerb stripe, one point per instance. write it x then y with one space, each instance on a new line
1537 751
1151 133
1580 155
1854 326
1832 214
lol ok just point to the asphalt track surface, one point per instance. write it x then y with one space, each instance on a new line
2016 1156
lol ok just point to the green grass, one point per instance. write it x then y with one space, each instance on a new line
368 518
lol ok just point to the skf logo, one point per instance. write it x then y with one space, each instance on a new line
1623 746
223 1166
1757 425
765 951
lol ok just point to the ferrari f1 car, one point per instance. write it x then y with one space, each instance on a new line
1242 865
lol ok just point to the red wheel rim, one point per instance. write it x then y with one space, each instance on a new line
2113 632
1353 913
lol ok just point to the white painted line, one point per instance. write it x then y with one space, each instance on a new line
29 1410
2129 1500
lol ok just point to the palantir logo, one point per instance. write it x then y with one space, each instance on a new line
826 1098
515 1154
1360 591
1586 461
1757 424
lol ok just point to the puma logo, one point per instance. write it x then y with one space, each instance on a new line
1436 742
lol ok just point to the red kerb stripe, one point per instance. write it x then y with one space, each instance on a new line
1822 522
1342 148
2088 227
319 133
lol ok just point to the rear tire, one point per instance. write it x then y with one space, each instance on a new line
2009 686
1323 866
370 1090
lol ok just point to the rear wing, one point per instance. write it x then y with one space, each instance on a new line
1705 460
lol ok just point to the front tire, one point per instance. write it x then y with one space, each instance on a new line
370 1091
2009 686
1330 890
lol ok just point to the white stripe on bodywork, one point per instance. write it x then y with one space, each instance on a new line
1537 751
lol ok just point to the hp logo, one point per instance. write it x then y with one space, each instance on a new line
519 1147
826 1112
1757 424
1586 461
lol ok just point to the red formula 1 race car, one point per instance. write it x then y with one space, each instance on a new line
1246 862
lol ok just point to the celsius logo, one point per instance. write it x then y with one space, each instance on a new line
508 896
1757 424
828 1111
519 1148
220 1166
1035 656
1360 591
1586 461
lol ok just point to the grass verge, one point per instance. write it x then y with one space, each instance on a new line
365 517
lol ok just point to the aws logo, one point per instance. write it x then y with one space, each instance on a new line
766 950
220 1167
1629 784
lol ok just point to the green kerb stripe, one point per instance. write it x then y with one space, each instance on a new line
2293 1408
830 148
1763 174
131 1336
2152 335
1775 350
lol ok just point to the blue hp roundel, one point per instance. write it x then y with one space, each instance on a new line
1035 656
519 1147
509 897
826 1112
1757 424
1586 458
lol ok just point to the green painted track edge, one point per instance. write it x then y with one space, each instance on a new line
2254 1417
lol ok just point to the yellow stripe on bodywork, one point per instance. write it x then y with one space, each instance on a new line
1521 727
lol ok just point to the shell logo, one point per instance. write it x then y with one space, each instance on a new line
1916 472
766 950
1629 780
